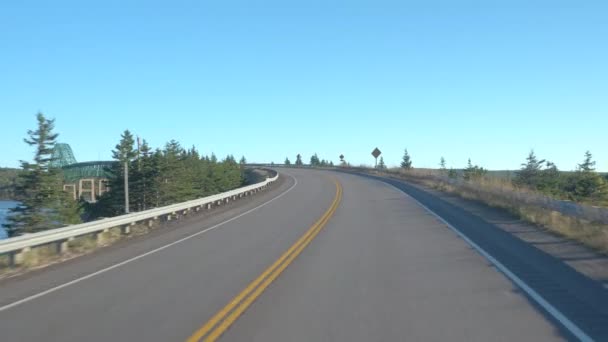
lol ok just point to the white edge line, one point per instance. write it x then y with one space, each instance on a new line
553 311
59 287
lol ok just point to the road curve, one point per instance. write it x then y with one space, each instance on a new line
382 268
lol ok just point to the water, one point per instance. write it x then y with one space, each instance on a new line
4 206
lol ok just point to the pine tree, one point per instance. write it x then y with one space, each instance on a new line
588 184
442 167
143 184
473 172
550 181
44 205
112 203
175 185
299 160
243 161
406 163
314 160
453 174
287 161
530 173
381 165
442 164
588 165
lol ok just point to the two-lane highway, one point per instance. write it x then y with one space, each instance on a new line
375 266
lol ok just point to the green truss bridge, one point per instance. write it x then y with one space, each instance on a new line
86 180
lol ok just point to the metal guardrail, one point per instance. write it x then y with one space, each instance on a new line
59 235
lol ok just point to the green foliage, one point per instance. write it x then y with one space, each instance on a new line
8 183
406 162
44 205
164 177
381 165
299 160
442 166
530 173
583 185
586 184
287 161
473 172
314 160
453 174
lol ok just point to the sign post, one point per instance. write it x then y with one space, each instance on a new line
376 153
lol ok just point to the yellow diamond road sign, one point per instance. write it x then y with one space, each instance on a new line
376 153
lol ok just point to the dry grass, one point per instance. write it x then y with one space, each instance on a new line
579 222
43 255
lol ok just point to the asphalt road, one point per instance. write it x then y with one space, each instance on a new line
382 268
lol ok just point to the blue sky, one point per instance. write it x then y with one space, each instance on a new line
487 80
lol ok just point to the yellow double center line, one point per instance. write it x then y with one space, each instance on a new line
224 318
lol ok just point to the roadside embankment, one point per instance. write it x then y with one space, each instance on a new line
584 223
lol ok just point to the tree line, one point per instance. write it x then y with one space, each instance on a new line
314 161
156 178
582 185
163 176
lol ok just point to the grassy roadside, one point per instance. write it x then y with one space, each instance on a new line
579 222
48 254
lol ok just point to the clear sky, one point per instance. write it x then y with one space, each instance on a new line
482 79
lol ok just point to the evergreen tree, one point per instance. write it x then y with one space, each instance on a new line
442 164
112 203
530 173
406 163
442 167
243 161
287 161
473 172
143 185
453 174
381 165
588 184
299 160
314 160
550 180
44 205
588 165
331 164
164 177
175 184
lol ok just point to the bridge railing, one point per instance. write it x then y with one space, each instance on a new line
16 245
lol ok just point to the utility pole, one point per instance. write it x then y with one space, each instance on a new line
126 187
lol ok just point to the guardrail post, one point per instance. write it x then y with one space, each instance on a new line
101 236
126 229
18 257
28 255
63 245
